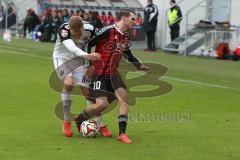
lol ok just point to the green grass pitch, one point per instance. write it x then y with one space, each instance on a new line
206 92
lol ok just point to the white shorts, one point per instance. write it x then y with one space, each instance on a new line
72 68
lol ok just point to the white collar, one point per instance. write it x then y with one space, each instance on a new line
118 29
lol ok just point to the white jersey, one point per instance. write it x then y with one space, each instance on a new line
60 51
66 63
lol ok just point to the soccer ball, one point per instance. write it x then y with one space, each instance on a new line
89 128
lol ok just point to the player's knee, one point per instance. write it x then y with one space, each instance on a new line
68 84
102 104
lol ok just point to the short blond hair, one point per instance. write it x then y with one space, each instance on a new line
75 22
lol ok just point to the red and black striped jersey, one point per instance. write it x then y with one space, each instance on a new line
112 44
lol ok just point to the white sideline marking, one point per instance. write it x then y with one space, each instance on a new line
201 83
24 54
8 47
166 77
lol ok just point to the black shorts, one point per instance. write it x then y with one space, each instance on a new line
104 86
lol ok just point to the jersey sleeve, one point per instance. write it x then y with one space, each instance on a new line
64 33
131 58
89 28
99 35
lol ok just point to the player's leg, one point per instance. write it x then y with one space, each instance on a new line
120 90
121 94
62 72
66 97
92 110
104 130
82 79
102 88
66 102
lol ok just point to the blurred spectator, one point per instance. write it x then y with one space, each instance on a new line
150 24
97 14
116 17
65 16
174 20
1 11
81 13
110 19
1 15
11 8
86 16
77 13
137 33
55 24
139 19
95 21
43 14
46 27
31 21
60 16
103 18
72 13
11 16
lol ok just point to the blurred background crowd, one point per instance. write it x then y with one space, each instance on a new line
44 27
11 14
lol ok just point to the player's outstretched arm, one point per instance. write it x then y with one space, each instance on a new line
70 45
93 56
135 61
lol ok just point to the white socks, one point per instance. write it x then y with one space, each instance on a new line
66 101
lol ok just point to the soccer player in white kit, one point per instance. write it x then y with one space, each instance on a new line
71 63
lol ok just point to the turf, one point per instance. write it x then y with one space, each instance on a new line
198 120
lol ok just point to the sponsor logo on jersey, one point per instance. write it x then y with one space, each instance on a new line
67 27
64 33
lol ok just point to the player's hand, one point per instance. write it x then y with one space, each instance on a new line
93 56
145 68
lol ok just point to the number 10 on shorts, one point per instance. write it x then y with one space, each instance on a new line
96 85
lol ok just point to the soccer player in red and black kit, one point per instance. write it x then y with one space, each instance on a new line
112 42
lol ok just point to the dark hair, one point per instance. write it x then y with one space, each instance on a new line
60 11
66 10
126 12
96 13
173 1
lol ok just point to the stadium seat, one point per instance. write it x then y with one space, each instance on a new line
91 3
120 4
57 2
104 3
132 3
78 3
67 2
